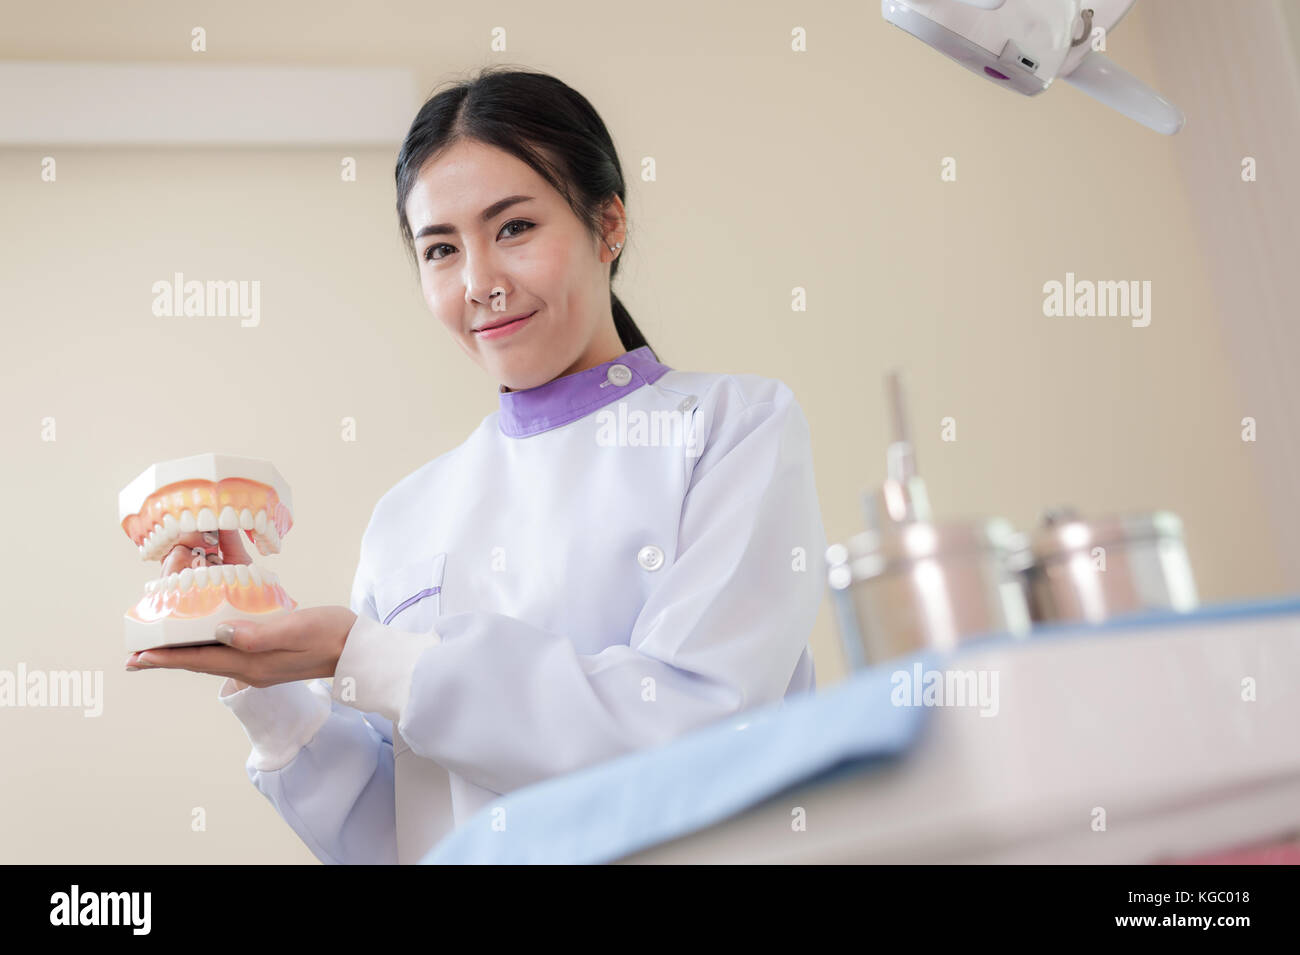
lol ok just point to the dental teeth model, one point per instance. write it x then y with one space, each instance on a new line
204 493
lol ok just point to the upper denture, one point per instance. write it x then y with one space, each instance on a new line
205 492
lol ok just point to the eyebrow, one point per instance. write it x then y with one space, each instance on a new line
487 215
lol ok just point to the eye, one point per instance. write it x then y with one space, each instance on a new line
430 257
522 222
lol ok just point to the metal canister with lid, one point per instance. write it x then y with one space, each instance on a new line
1092 570
908 583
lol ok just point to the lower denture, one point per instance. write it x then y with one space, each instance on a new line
199 601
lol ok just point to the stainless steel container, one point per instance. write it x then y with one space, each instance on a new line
908 583
1092 570
926 585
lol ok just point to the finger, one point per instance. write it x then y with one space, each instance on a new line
158 661
259 637
221 661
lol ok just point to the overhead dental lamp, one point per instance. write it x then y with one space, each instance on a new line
1025 44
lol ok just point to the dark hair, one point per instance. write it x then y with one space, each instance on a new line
539 120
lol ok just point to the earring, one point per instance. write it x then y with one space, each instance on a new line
616 246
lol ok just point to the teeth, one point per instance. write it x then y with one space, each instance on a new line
259 522
188 524
207 521
161 539
246 519
231 575
229 520
268 541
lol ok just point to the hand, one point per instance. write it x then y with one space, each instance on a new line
299 645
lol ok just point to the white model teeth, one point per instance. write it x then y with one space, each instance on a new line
157 544
196 578
162 538
153 544
267 540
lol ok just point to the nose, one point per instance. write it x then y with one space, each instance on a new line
484 284
495 299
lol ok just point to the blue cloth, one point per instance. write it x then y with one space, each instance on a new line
625 805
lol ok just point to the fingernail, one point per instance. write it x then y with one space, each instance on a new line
225 631
132 668
144 660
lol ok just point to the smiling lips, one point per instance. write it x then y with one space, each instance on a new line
505 327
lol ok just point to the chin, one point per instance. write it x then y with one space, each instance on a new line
518 371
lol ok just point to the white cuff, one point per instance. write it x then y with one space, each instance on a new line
279 720
377 665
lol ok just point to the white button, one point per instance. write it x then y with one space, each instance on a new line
619 375
650 557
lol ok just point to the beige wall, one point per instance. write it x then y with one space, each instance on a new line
775 170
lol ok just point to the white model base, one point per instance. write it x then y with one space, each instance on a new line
182 632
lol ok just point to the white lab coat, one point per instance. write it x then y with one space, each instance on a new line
576 581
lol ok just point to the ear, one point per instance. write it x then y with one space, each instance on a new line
613 224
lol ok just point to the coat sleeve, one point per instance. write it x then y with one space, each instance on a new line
506 704
326 768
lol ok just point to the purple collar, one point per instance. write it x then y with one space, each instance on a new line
574 396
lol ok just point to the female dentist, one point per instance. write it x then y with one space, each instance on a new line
621 553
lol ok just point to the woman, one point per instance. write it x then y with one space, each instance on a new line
619 554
